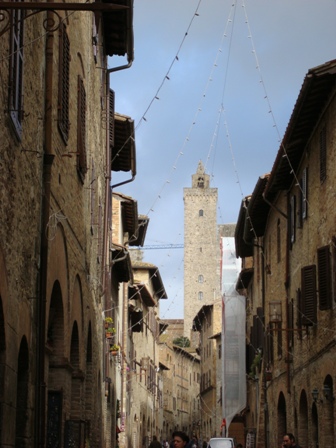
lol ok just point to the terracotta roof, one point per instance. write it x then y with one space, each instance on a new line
155 277
118 30
123 150
312 100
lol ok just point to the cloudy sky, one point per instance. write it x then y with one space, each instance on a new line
216 81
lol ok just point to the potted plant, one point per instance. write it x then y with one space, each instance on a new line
109 332
114 349
108 322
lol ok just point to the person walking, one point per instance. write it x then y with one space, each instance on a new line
155 443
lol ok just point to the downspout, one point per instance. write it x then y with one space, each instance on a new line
48 157
106 276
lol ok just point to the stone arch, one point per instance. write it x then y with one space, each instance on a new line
315 430
22 436
58 269
76 379
89 383
57 372
303 420
328 411
77 307
97 429
282 418
55 326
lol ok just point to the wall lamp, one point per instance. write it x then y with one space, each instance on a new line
328 393
315 394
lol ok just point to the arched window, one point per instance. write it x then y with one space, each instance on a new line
200 278
200 295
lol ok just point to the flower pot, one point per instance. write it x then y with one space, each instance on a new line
114 352
108 335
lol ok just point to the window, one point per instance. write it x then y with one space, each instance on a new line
200 182
15 98
324 277
200 295
323 154
81 130
63 83
111 118
200 278
200 213
278 327
308 295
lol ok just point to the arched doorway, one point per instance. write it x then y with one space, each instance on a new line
328 411
315 432
55 343
302 437
282 419
22 388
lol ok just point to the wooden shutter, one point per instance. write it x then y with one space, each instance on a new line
269 347
260 327
15 98
324 277
63 83
81 129
309 296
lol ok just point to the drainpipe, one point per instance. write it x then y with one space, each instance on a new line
48 157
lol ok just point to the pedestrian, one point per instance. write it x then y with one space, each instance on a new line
155 443
288 441
180 439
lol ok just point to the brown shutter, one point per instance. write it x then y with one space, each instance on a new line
309 299
81 129
260 328
324 277
63 83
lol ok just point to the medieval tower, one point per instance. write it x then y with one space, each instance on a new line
201 247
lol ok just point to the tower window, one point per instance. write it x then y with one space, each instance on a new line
200 182
200 212
200 295
200 278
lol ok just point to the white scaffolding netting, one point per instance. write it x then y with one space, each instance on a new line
233 337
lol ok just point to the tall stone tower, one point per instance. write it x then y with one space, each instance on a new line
201 247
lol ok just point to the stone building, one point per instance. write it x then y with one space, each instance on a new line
201 247
55 164
207 323
144 377
287 226
181 379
